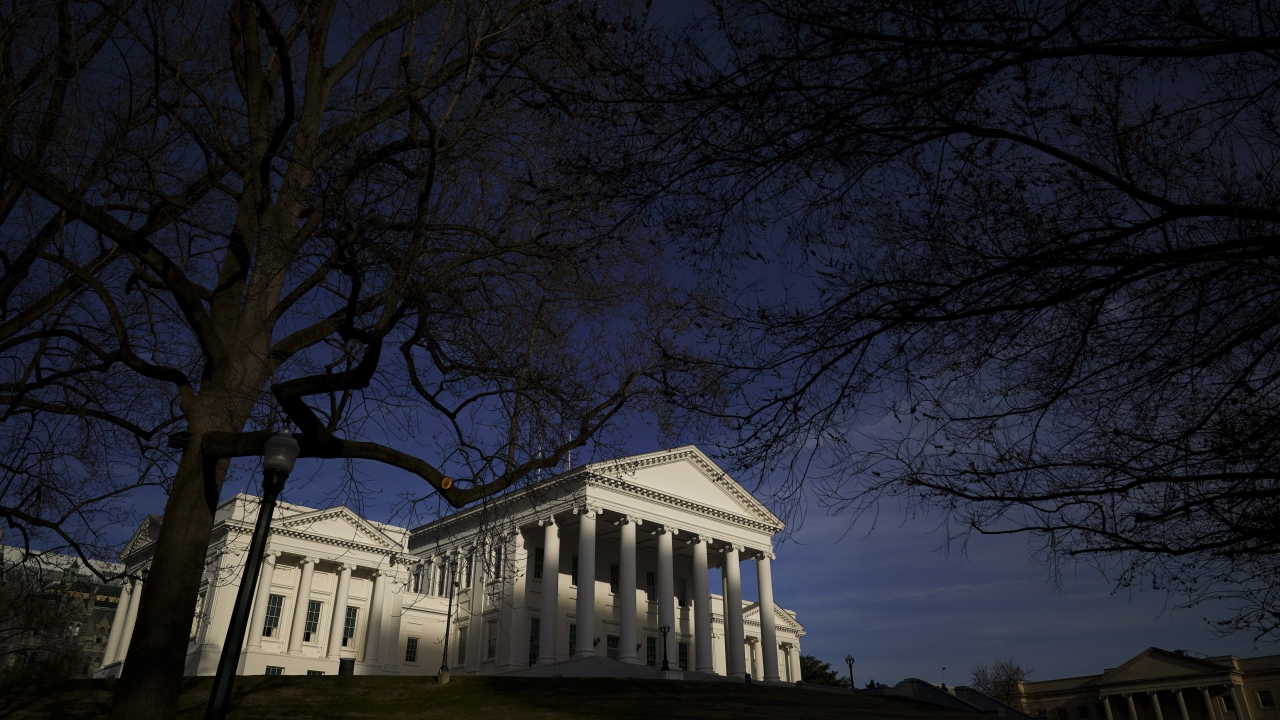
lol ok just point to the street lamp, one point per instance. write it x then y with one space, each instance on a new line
278 456
443 677
849 661
665 629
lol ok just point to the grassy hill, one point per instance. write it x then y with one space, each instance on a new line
419 698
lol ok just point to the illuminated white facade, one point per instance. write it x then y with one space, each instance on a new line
629 543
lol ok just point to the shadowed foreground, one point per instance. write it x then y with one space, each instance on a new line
394 698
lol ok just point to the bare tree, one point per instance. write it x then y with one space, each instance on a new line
370 221
1030 260
1002 680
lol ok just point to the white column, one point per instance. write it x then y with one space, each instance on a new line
394 612
1208 704
1106 707
373 631
734 638
516 615
340 610
117 624
477 608
126 636
261 597
666 596
1242 705
1133 711
768 623
702 607
1182 705
1155 703
300 605
586 609
549 619
627 593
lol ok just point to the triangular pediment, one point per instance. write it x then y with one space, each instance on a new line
339 523
781 618
147 533
687 473
1156 663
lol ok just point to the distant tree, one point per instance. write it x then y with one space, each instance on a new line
1032 264
1001 680
816 672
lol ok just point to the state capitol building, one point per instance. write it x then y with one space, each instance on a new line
574 575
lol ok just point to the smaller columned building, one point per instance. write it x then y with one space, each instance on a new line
576 574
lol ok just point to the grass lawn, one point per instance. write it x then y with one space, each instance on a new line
402 698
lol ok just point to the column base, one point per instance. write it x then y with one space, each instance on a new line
629 660
671 674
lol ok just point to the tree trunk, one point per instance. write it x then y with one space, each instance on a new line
153 669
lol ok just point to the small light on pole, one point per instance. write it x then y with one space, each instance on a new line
665 629
278 456
849 661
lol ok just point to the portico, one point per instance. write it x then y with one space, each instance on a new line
1162 685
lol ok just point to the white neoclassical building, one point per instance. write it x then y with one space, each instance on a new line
574 575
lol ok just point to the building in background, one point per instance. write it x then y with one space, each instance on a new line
1162 685
55 613
576 574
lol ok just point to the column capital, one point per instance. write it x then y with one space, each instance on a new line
666 530
700 538
270 553
549 520
766 555
732 546
587 511
309 560
349 566
630 520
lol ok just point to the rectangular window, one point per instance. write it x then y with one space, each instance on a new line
274 603
273 670
537 563
535 639
462 645
611 646
313 621
615 577
1083 712
417 579
680 592
469 558
649 590
573 638
1229 703
411 650
441 576
349 627
1265 699
683 654
573 572
315 672
491 647
651 651
497 563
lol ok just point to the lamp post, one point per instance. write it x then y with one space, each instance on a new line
278 455
443 677
849 661
665 629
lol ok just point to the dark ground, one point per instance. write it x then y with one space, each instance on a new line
401 698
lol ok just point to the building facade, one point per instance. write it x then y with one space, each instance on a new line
593 563
1163 685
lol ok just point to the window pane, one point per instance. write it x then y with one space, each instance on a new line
313 620
680 591
573 639
349 627
684 656
491 629
462 645
315 672
537 564
411 650
651 651
611 646
615 577
272 670
648 586
274 603
573 572
535 639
